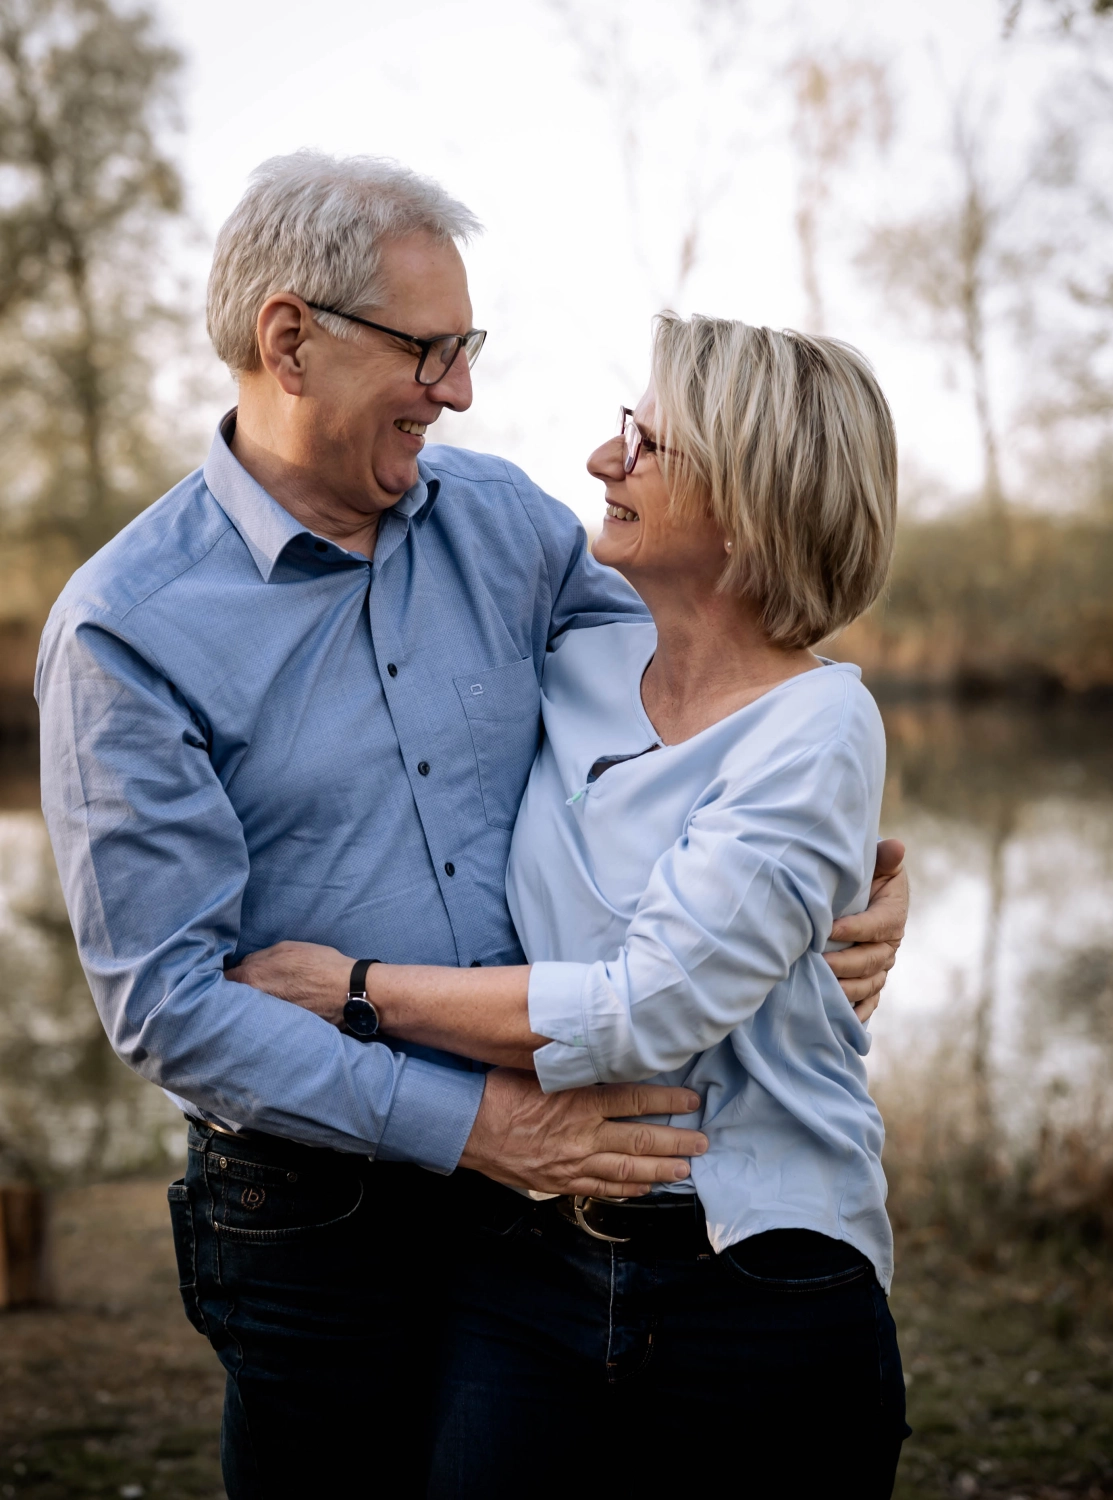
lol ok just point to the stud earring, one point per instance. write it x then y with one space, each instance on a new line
729 546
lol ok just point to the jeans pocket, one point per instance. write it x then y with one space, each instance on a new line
185 1251
260 1203
502 1226
890 1369
845 1267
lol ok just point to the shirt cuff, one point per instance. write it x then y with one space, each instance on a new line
431 1117
556 1010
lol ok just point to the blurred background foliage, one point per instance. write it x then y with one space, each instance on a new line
1009 261
90 424
84 97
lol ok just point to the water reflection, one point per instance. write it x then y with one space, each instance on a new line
1008 813
69 1108
1008 962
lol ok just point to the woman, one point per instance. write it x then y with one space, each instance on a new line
704 805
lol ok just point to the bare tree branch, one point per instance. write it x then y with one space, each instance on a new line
941 269
838 102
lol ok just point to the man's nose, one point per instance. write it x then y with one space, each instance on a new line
606 462
454 388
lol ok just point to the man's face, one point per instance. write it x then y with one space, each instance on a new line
369 412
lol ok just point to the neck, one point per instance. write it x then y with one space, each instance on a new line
292 465
712 657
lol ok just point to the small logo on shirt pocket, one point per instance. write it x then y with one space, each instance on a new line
476 689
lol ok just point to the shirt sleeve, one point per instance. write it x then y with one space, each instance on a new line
584 592
750 887
153 863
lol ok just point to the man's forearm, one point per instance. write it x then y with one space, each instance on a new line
267 1066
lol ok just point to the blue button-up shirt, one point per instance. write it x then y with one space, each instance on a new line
249 734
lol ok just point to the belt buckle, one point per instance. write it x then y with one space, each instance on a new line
578 1202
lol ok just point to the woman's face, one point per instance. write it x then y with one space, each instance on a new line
642 537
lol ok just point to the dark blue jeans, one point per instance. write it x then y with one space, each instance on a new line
572 1366
317 1279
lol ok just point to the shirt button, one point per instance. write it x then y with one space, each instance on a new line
423 768
392 669
450 868
321 546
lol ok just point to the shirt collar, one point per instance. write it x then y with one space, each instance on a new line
266 527
423 493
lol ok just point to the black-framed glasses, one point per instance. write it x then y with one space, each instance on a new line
436 356
635 441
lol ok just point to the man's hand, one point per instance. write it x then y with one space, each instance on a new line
875 932
576 1141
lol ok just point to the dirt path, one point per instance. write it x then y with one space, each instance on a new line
111 1392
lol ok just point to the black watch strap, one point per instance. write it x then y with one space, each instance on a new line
361 1019
357 984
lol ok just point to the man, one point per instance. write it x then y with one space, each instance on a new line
298 698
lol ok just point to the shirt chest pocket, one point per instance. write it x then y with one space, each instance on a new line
503 706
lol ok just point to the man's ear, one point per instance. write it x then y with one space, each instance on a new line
284 327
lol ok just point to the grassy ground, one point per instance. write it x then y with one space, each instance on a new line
112 1393
1010 1374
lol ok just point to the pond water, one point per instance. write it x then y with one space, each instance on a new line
1005 977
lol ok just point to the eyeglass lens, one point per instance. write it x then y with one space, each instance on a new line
441 355
631 438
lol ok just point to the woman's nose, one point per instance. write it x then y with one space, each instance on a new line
606 462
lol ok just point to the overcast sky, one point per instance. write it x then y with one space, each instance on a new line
524 118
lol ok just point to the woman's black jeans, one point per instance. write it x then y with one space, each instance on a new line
576 1367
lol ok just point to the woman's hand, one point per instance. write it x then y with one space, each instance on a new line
876 933
309 974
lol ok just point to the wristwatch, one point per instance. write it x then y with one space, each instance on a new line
361 1019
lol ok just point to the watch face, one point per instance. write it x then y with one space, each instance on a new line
361 1018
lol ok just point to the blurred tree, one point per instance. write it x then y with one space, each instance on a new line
640 82
1069 415
942 269
837 102
1066 12
85 91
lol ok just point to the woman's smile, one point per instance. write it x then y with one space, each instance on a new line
620 513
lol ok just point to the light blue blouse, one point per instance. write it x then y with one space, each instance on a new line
676 909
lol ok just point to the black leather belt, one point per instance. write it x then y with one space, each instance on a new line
666 1224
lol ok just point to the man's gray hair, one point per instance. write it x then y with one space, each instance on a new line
315 225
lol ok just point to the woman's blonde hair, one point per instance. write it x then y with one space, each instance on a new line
789 441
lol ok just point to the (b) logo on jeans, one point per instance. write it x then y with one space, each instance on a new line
252 1197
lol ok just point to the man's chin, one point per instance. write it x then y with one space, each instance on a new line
397 479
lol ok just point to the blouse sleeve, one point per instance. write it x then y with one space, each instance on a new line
753 883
